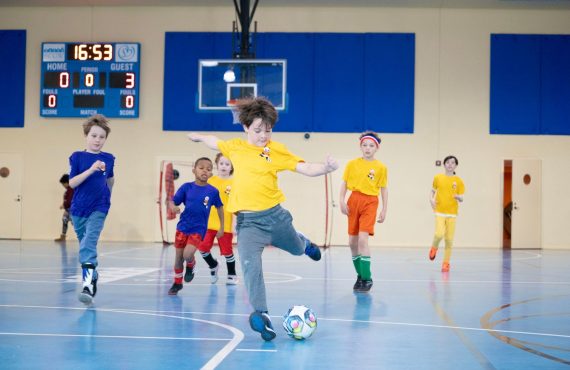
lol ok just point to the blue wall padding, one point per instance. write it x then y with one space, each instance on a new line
530 84
12 78
342 82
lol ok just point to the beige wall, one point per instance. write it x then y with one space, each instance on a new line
451 116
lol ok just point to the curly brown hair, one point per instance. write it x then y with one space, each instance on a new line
256 107
97 120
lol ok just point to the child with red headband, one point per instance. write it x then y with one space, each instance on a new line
366 177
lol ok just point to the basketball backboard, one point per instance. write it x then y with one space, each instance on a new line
223 81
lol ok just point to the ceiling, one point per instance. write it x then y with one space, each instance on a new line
477 4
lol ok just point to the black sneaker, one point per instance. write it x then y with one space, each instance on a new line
174 289
358 283
261 323
188 275
365 285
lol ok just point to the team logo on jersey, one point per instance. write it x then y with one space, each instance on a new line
265 154
454 185
206 200
228 190
371 174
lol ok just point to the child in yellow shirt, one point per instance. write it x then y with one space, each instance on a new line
223 182
256 198
366 177
446 194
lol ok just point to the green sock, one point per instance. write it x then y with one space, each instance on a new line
356 263
365 268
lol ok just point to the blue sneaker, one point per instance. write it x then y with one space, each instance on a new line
261 323
311 249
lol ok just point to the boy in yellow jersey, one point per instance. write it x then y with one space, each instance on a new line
366 177
256 198
222 182
447 192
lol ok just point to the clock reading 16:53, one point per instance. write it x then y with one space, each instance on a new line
80 79
89 52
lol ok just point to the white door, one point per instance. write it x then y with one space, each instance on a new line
526 216
10 196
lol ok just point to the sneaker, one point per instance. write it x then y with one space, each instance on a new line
175 288
358 283
432 253
214 274
445 267
89 278
261 323
60 239
188 275
232 280
86 296
311 249
365 285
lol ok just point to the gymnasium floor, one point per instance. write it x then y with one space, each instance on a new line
494 310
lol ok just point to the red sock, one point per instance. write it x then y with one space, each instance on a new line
178 273
191 264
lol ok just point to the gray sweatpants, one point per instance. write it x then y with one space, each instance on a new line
255 231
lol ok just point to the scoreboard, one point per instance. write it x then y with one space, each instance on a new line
83 79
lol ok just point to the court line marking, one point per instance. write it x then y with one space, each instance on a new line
320 319
109 336
238 335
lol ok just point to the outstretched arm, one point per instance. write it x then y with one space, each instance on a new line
317 169
211 141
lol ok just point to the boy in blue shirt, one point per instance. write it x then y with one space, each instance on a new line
92 177
198 198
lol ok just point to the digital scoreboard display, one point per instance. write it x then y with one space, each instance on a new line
83 79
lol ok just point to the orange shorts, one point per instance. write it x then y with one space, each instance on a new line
225 242
362 210
182 240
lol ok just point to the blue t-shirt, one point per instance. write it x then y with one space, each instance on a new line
197 203
93 194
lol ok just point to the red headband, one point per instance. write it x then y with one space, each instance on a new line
369 137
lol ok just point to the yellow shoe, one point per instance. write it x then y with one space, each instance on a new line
445 267
432 253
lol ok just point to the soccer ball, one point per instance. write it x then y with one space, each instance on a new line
300 322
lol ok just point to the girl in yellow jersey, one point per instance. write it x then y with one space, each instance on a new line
256 198
366 177
445 196
222 182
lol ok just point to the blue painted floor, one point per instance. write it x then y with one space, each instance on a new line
494 310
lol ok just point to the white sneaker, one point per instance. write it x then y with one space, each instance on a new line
214 274
232 280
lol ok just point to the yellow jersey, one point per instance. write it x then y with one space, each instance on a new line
224 186
255 173
365 176
445 188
